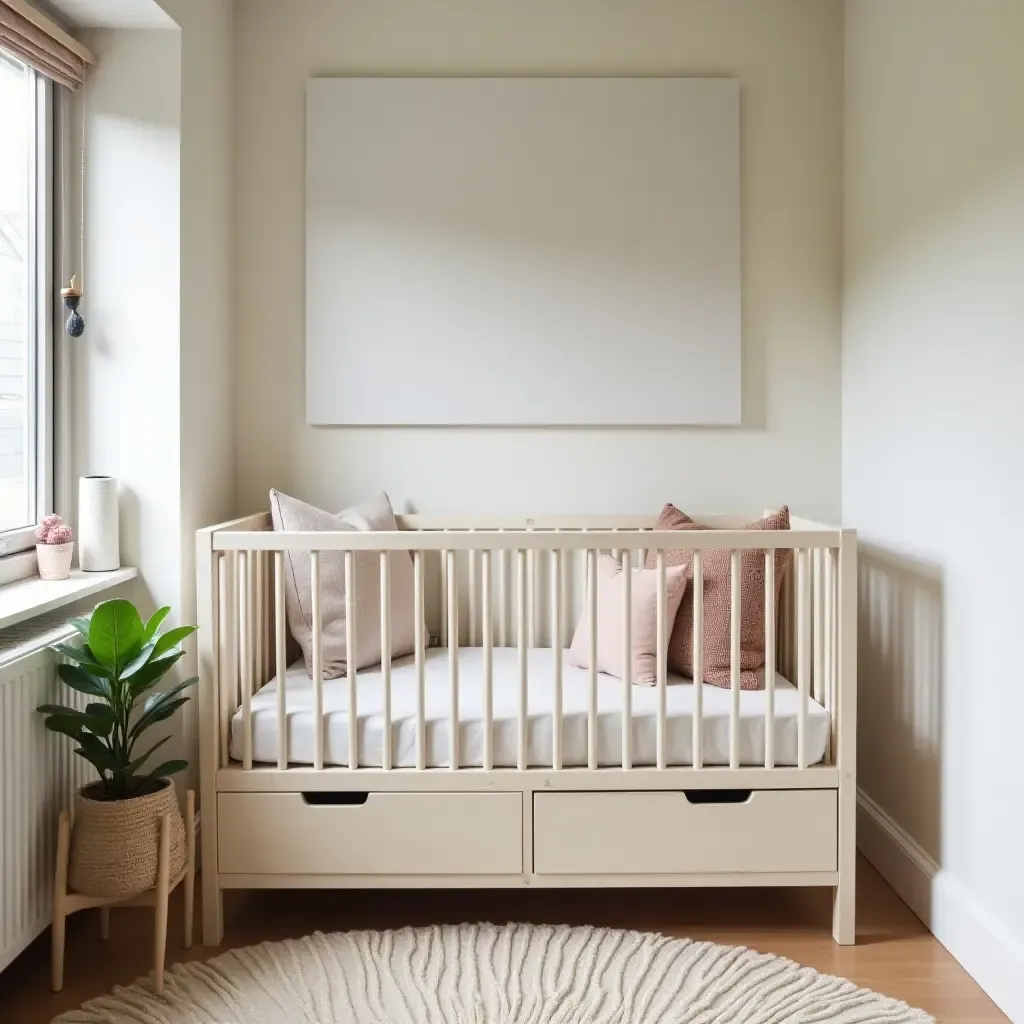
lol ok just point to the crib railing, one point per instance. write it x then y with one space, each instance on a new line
478 583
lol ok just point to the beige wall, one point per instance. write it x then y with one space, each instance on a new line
933 373
787 55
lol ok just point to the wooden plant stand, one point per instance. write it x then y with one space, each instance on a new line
65 902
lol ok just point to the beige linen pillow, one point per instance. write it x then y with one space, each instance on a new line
717 570
375 514
644 618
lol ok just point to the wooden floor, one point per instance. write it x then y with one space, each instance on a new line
894 953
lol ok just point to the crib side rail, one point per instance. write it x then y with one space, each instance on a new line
492 595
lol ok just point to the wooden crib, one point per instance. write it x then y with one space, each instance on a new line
483 760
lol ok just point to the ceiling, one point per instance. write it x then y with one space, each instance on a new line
108 13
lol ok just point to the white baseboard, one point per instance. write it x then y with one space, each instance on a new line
981 944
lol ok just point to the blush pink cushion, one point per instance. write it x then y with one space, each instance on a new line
611 657
717 571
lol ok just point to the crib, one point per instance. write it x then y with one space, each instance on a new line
483 759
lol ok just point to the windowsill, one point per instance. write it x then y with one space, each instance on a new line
27 598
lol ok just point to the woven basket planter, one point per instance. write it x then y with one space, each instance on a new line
115 843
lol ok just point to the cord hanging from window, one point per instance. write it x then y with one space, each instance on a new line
72 295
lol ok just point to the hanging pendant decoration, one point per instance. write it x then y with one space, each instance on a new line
72 295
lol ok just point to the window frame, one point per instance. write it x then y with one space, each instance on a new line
17 554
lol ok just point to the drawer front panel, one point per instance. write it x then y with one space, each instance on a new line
388 834
664 833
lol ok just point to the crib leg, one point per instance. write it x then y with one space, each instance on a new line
104 923
844 912
213 904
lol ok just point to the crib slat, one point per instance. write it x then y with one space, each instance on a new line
556 652
662 654
782 656
503 597
734 663
567 595
817 636
281 651
444 598
531 601
769 658
421 677
318 661
826 698
698 660
258 594
583 576
453 661
472 595
803 652
385 658
245 647
592 659
218 657
350 660
833 557
523 672
232 687
488 657
270 636
627 658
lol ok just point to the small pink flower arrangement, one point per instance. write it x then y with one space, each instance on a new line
53 530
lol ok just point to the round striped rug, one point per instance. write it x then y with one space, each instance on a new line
488 974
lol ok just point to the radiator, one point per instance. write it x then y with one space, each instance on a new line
39 774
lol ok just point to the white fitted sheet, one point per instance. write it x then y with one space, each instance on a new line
575 690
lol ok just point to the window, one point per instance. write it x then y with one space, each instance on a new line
26 311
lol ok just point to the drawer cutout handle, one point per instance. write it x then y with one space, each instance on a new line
344 799
718 796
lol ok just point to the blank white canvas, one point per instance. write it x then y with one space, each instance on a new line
486 251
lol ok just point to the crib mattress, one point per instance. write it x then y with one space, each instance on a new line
575 690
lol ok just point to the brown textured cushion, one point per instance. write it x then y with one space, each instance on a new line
717 603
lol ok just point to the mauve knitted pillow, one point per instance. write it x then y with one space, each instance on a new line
717 568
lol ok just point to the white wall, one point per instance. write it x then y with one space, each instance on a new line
125 370
206 436
151 379
933 374
787 55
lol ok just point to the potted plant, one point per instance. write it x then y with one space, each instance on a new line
53 552
117 818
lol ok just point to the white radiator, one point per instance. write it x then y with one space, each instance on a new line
39 774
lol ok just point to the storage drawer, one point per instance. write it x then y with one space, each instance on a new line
666 833
386 834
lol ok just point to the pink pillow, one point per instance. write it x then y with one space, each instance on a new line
644 631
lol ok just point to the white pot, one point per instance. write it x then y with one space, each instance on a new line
54 560
97 524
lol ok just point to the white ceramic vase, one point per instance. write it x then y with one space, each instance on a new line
98 546
54 560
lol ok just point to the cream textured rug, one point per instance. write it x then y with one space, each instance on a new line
486 974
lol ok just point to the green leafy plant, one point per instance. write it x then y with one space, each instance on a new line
119 665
